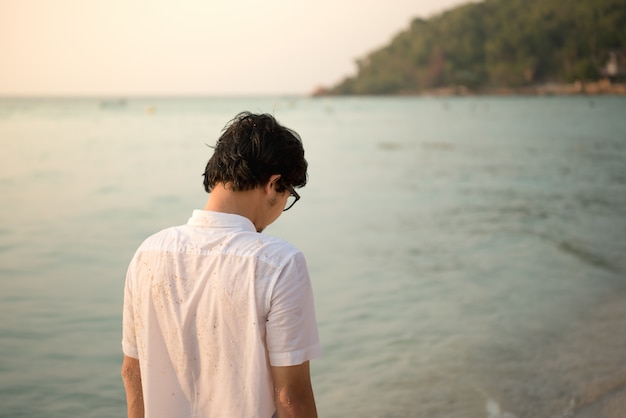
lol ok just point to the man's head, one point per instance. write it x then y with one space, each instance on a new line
251 150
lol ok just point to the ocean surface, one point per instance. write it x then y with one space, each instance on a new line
468 255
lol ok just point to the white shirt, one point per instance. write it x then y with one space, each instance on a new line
208 307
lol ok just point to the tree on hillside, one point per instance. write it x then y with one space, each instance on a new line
498 43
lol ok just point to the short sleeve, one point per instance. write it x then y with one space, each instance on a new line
292 337
129 340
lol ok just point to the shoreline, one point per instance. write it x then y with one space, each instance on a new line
601 87
578 88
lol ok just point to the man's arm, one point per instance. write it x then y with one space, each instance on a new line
131 375
293 393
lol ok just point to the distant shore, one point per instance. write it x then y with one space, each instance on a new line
600 87
577 88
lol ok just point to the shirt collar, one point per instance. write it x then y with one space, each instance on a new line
210 219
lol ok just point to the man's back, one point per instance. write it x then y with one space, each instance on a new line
208 307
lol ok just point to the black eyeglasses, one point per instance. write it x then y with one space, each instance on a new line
292 199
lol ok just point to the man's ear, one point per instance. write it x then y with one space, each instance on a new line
272 183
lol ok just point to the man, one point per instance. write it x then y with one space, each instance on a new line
218 318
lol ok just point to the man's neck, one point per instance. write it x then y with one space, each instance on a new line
224 199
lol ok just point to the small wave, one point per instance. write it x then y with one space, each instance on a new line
494 410
164 199
390 146
107 189
587 256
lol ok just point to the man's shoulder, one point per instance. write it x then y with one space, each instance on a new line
161 238
264 247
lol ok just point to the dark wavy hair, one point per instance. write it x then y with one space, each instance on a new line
251 149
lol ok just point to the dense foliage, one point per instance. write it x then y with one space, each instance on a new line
497 43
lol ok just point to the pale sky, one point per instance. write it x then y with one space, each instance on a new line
198 47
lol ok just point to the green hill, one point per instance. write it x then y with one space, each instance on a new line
498 43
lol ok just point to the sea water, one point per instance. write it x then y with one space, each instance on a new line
467 254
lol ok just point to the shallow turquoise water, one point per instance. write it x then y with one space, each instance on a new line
456 245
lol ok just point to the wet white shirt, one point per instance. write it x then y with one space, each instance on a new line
208 307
